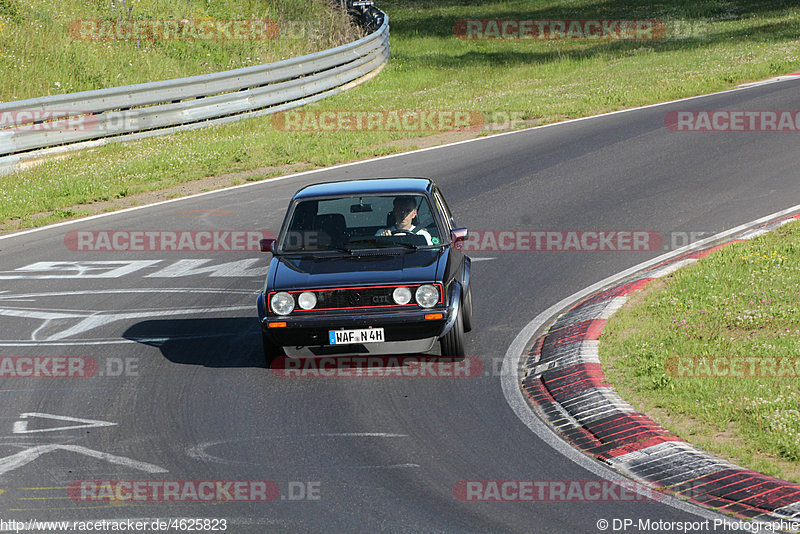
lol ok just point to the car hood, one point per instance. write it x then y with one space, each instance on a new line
298 272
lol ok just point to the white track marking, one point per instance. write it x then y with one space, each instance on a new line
80 321
21 427
91 320
22 458
199 452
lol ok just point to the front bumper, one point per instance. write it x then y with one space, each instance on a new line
397 326
311 329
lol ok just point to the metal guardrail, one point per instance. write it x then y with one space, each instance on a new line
156 108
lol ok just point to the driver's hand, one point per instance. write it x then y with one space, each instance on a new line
386 232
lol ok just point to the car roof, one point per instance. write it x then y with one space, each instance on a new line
369 186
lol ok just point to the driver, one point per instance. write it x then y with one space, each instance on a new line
405 209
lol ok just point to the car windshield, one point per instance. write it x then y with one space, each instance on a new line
361 222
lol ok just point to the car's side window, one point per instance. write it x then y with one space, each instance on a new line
443 209
425 218
301 233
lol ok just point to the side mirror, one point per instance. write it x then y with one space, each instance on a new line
458 236
267 244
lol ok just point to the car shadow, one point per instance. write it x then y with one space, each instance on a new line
218 342
236 342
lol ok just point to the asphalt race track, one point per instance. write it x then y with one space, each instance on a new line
180 392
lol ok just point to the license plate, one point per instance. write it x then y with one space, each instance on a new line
364 335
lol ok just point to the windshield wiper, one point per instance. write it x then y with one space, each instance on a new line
308 251
382 244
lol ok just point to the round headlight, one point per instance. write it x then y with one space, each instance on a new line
282 303
427 296
307 300
401 295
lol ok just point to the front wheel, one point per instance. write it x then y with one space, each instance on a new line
271 350
452 344
467 305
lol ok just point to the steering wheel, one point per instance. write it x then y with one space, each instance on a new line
402 232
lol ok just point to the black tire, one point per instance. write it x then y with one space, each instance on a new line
271 350
452 344
467 305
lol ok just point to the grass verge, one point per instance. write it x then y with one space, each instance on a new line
44 52
716 44
712 352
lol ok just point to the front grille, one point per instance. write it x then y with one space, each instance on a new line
353 298
357 298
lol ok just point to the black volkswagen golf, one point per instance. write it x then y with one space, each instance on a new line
367 266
